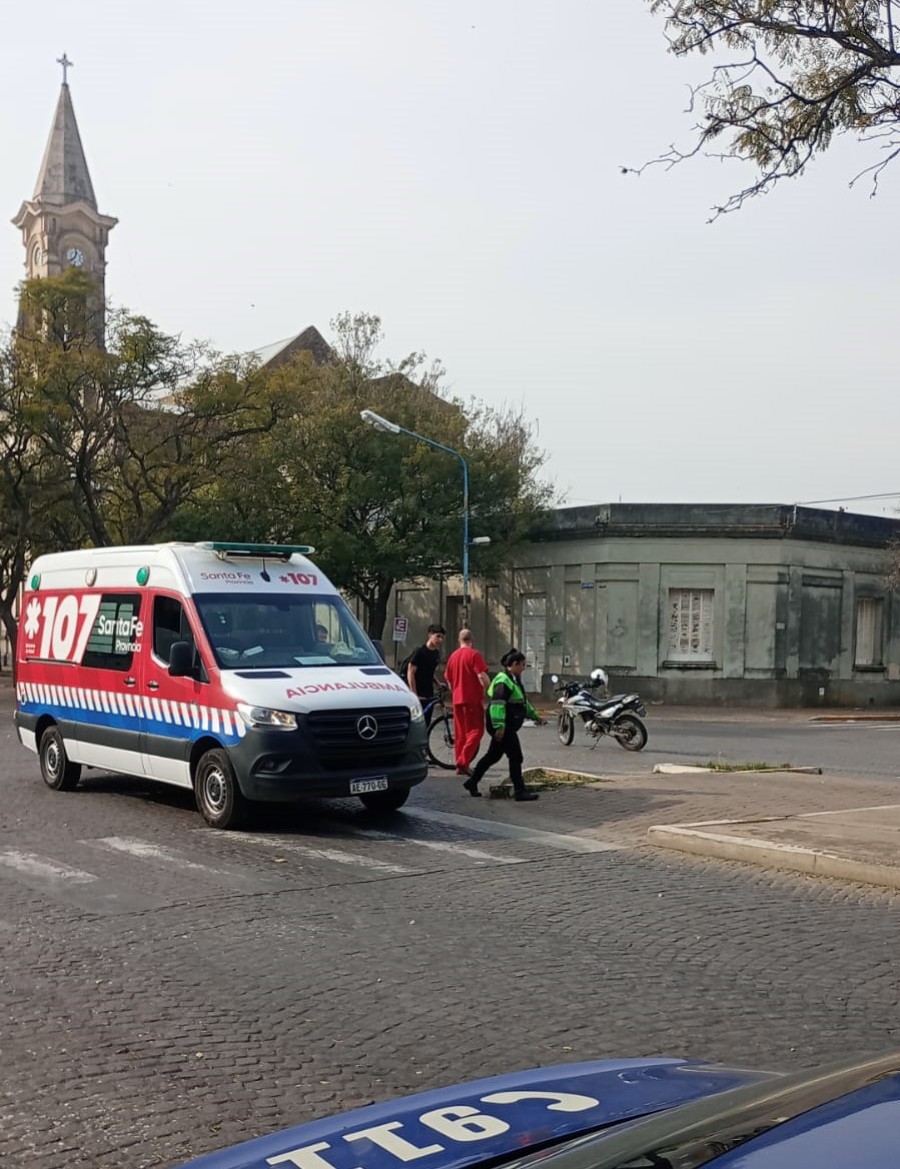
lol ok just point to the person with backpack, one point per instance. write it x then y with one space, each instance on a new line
508 708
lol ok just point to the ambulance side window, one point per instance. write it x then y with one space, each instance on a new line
112 641
170 624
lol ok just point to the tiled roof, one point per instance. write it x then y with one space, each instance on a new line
279 352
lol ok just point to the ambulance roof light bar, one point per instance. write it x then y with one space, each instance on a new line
261 551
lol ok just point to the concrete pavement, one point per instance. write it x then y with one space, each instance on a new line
843 827
853 844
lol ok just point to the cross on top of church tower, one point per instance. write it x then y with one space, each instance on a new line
66 65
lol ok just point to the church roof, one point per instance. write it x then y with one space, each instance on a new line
280 352
64 176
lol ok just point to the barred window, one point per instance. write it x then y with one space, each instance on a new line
691 625
868 631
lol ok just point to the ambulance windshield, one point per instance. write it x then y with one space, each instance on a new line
283 631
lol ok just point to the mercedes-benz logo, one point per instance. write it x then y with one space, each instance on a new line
367 727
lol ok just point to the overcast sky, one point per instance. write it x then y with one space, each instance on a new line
454 166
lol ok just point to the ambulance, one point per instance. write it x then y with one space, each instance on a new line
233 670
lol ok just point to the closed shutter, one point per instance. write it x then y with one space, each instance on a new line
691 625
868 631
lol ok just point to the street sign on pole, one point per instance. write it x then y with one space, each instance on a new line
401 625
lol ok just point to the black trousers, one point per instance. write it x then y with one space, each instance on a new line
509 746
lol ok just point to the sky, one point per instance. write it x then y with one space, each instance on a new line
455 167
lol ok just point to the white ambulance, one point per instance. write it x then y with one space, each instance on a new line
235 670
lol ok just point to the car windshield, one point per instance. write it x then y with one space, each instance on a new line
283 631
699 1133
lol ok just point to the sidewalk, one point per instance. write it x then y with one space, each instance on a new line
853 844
839 826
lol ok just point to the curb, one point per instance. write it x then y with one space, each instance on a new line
686 769
770 855
856 717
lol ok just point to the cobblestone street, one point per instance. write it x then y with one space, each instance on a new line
168 989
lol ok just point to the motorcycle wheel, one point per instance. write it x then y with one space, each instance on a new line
566 729
630 732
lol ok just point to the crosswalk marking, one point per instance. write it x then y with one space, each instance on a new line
37 866
328 854
469 839
485 827
157 852
82 889
446 846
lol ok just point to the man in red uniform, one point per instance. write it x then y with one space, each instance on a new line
466 675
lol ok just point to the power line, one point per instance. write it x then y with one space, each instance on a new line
848 498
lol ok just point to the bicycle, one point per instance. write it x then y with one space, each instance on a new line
441 745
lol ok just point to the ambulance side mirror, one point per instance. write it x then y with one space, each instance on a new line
181 659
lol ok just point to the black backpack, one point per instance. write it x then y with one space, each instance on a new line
402 667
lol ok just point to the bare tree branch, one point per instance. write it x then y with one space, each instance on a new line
809 70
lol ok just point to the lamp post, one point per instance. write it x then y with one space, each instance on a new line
389 427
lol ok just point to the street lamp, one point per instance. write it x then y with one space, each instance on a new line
384 424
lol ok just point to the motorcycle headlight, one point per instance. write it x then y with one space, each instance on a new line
416 713
261 716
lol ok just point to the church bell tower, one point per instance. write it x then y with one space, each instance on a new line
61 226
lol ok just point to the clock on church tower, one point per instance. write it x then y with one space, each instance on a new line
60 224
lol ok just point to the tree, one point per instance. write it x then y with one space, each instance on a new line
33 494
797 74
102 445
379 508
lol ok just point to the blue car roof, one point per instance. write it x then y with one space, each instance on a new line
467 1124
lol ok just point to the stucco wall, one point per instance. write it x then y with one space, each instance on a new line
779 604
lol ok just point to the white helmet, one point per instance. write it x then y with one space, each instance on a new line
599 677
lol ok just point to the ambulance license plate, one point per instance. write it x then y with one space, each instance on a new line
377 783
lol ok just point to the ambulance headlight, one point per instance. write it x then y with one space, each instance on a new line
416 713
261 716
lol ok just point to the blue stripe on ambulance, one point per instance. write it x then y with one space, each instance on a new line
124 711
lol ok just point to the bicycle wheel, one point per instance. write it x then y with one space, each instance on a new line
441 742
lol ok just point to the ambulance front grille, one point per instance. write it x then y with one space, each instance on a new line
336 734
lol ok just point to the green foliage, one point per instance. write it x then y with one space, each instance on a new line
102 444
379 508
116 433
797 74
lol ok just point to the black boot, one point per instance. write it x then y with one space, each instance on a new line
523 793
471 786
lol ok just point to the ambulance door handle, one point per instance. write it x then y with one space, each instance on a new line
130 681
153 685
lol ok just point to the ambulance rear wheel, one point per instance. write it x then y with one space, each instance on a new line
219 799
58 772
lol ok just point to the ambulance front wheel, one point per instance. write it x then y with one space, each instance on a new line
220 800
58 772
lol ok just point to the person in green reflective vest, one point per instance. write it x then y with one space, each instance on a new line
507 710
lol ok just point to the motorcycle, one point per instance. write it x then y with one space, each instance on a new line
618 716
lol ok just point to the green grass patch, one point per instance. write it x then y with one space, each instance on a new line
549 777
